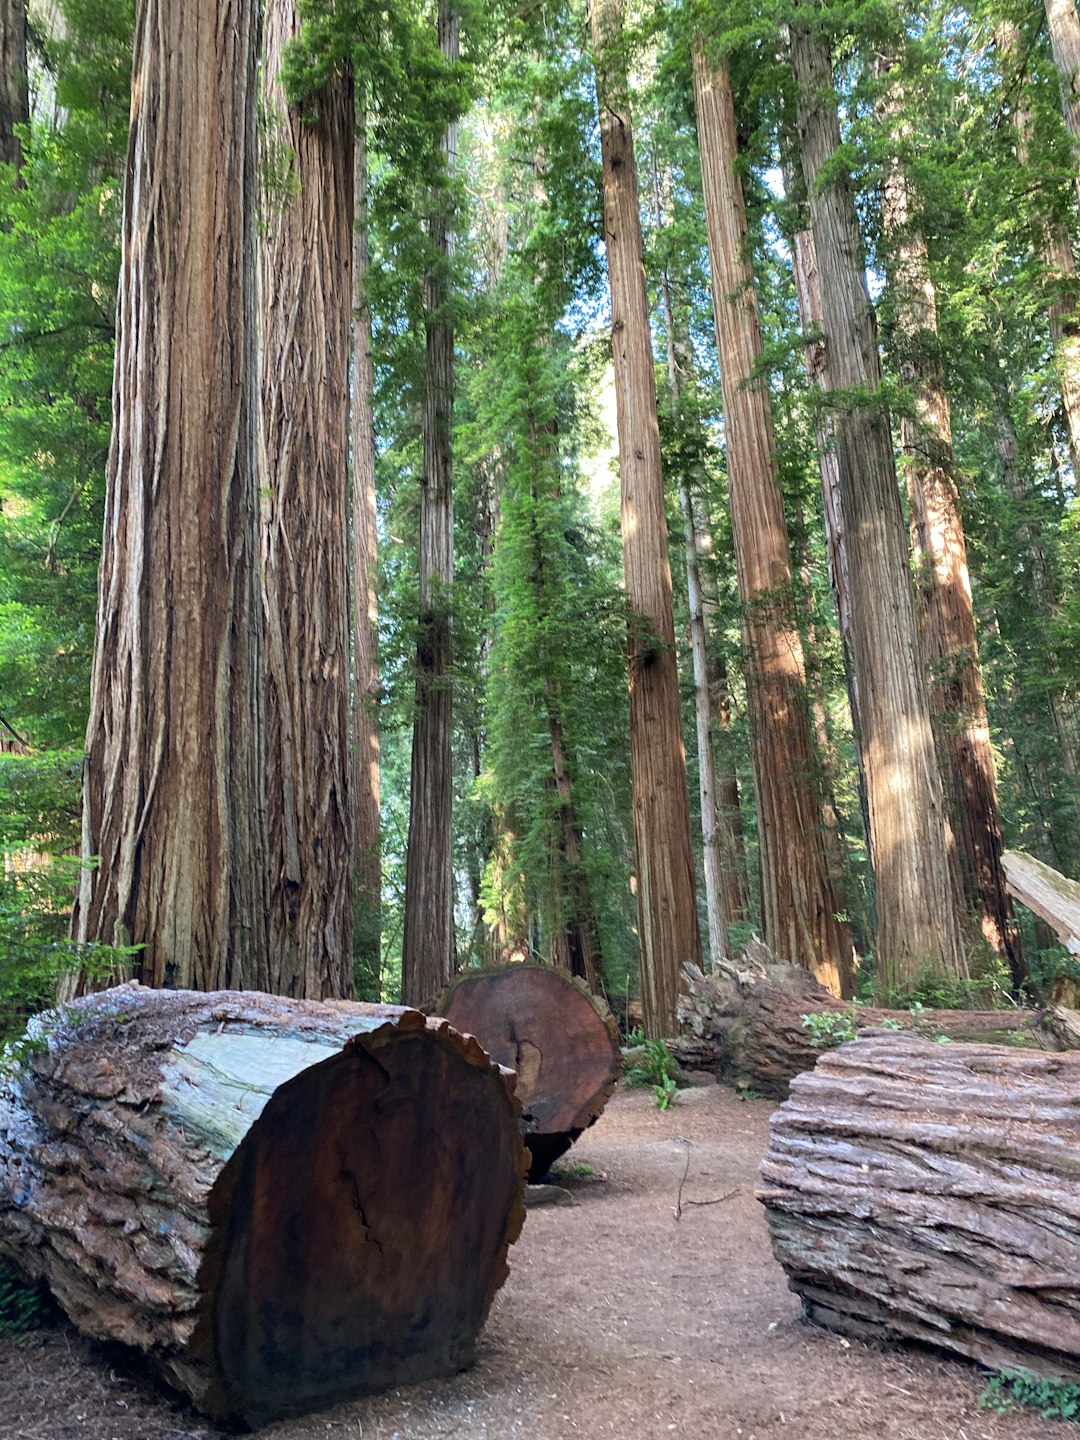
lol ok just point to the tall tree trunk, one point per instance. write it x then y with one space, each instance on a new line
306 260
1065 41
917 907
667 911
708 798
733 849
799 908
174 801
427 956
945 611
14 87
366 686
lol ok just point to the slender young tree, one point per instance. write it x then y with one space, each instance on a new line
174 797
14 89
946 612
306 292
665 865
917 906
427 956
799 907
366 685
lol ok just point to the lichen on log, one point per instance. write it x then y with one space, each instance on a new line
928 1192
282 1203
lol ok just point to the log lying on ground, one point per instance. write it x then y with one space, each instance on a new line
555 1033
283 1203
746 1023
932 1193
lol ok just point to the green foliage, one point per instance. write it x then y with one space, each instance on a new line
22 1307
1020 1389
831 1027
658 1068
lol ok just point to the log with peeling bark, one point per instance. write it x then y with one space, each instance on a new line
557 1035
282 1203
1053 896
917 1191
745 1023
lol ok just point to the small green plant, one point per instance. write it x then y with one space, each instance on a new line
889 1024
831 1027
747 1092
1020 1389
584 1171
655 1066
635 1037
22 1307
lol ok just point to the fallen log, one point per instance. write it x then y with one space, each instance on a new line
558 1037
282 1203
1052 896
917 1191
745 1024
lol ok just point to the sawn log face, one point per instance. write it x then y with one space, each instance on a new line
283 1203
932 1192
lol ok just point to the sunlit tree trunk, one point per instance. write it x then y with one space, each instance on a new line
174 799
366 685
665 863
799 907
945 611
427 956
14 90
1065 41
306 260
917 905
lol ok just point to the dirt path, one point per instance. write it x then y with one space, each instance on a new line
617 1320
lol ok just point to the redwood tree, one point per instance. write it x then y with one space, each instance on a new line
174 797
668 926
798 904
14 91
306 292
917 905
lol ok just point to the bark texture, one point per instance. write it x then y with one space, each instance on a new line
560 1039
14 87
668 927
174 796
1065 41
367 786
925 1192
427 954
1052 896
746 1024
946 614
917 907
799 908
282 1203
306 258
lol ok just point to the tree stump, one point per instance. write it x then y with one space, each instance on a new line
745 1024
555 1033
282 1203
931 1192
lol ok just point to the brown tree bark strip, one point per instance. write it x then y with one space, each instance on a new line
1065 42
917 907
667 912
366 683
174 797
799 907
427 954
14 86
746 1024
946 612
559 1038
246 1189
924 1192
306 259
733 848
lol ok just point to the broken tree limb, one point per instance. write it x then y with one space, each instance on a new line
918 1191
282 1203
745 1024
1052 896
559 1038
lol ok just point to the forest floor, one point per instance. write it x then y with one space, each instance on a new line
618 1319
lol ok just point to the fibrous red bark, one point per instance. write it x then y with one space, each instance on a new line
281 1203
927 1192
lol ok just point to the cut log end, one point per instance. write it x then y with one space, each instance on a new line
286 1204
558 1037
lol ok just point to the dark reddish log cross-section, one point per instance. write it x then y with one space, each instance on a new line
559 1038
282 1203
